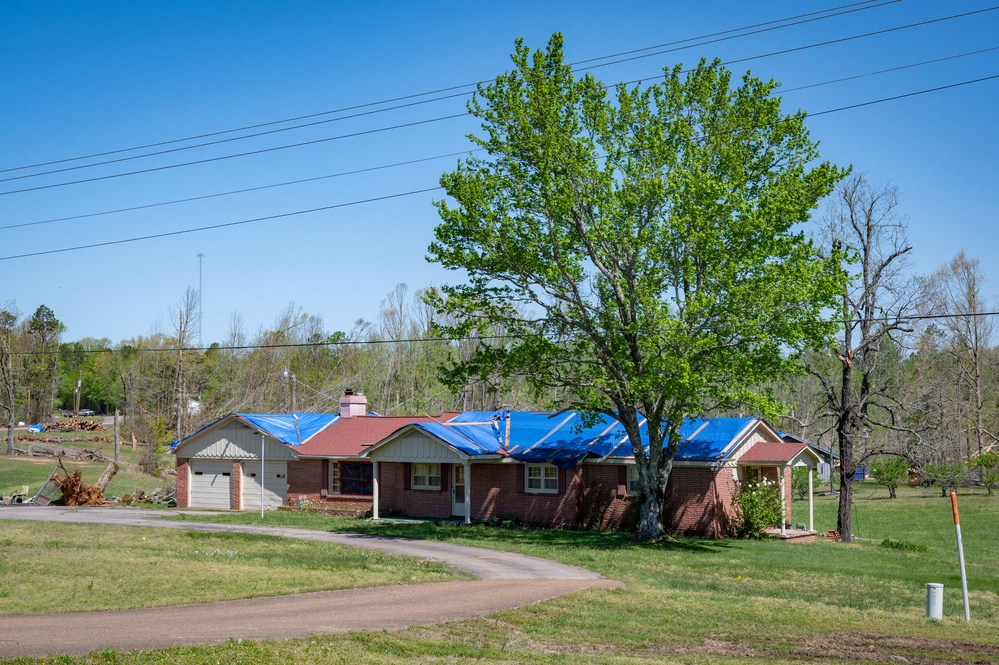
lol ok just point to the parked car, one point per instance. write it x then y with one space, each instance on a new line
87 412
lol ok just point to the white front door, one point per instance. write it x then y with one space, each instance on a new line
458 490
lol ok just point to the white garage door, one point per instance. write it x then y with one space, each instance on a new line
275 488
211 483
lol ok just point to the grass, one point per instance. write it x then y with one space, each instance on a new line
695 601
15 472
78 567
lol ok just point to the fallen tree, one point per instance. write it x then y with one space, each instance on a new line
77 493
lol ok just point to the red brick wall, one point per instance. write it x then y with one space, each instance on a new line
237 485
700 501
305 483
617 511
183 480
395 499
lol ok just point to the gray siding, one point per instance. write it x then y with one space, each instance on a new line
233 441
415 447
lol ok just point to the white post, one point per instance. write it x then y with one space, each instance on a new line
783 503
468 492
960 557
811 503
374 490
261 476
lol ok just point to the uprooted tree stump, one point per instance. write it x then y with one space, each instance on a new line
77 493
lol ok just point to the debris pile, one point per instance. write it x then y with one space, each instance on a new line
75 425
77 493
164 496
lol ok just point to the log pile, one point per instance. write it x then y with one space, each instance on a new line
75 425
164 496
77 493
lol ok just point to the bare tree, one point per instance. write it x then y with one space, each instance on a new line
8 339
865 228
956 292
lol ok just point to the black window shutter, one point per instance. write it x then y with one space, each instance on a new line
324 482
407 472
622 481
563 480
445 477
519 470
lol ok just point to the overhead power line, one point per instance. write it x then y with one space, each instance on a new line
854 7
423 340
410 162
412 192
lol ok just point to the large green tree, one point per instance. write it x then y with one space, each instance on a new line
639 245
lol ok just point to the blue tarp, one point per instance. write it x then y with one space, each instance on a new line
562 439
288 428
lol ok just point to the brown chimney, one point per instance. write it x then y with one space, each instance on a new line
353 404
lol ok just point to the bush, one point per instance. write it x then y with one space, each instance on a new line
759 505
987 464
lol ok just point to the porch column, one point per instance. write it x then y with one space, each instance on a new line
468 492
374 490
811 507
783 503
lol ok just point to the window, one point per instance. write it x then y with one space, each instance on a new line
633 480
334 478
541 478
355 478
426 476
350 478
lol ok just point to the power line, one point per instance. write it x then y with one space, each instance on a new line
240 191
422 340
412 192
242 222
863 6
782 92
207 160
421 122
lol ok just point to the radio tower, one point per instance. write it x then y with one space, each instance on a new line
201 258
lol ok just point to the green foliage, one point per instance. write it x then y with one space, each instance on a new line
987 464
759 506
799 482
890 472
638 246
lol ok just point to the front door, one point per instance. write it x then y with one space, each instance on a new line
458 490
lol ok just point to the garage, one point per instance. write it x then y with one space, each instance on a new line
275 485
211 484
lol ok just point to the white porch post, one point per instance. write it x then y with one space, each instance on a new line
374 490
468 492
783 503
811 506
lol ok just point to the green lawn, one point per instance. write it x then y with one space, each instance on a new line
696 601
83 567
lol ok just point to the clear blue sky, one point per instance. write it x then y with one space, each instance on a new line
83 78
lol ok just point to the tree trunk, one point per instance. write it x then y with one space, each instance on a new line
650 521
106 477
844 432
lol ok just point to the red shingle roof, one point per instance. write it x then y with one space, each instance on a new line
772 453
349 437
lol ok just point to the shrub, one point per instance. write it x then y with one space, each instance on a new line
759 505
987 464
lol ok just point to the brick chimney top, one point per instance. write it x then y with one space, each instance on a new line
353 404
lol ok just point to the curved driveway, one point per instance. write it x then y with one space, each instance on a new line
508 580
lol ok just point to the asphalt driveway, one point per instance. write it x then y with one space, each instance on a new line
508 580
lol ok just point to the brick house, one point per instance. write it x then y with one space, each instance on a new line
554 470
309 459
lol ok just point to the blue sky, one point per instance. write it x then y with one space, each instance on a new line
88 77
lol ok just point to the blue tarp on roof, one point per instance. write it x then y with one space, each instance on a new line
707 439
563 440
288 428
291 428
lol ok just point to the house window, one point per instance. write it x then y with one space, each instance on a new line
541 478
426 476
355 478
633 480
334 478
